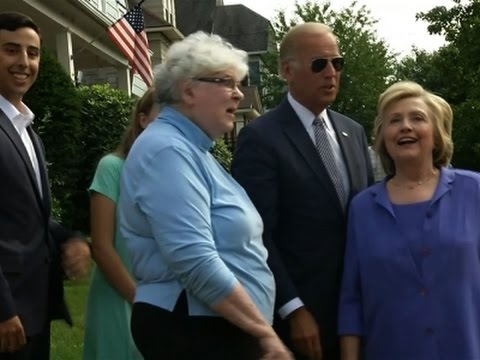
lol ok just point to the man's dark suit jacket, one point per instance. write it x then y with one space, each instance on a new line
30 267
305 227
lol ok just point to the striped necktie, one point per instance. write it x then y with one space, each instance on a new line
325 151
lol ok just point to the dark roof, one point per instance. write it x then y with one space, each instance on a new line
194 15
241 26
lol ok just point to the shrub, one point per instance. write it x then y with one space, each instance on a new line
105 112
56 105
222 153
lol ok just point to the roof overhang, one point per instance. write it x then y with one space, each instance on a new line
171 32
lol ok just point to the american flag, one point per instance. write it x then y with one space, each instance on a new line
129 35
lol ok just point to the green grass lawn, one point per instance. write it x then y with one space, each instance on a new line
67 342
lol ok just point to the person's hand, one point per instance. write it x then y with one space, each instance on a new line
76 258
305 334
12 335
274 349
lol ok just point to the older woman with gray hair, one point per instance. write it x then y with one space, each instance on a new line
204 288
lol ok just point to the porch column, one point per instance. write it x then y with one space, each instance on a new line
124 80
65 53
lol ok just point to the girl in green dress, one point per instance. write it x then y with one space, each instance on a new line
112 289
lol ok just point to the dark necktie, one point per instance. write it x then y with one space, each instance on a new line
326 154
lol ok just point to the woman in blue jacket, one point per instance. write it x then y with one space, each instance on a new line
411 287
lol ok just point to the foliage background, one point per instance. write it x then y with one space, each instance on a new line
453 72
54 100
105 113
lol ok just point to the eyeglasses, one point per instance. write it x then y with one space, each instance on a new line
226 81
321 63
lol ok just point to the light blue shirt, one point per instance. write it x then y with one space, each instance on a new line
188 224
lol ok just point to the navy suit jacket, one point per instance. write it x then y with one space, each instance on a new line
30 266
305 226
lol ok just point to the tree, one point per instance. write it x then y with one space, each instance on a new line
461 27
434 72
453 72
54 101
222 153
369 63
105 113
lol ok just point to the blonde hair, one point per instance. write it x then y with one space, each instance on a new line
440 114
144 105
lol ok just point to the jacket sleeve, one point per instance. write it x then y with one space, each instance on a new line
255 167
7 305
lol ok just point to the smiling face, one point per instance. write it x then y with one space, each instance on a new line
19 62
212 100
408 131
314 90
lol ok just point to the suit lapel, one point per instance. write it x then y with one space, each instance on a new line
7 126
345 140
42 167
298 136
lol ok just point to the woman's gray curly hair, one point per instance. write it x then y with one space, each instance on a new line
199 54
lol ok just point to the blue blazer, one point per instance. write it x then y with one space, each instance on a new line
305 226
30 266
427 309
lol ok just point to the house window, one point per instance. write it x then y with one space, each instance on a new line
96 3
254 72
113 9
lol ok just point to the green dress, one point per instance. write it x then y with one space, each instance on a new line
107 319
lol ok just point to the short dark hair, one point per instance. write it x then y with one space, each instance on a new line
12 21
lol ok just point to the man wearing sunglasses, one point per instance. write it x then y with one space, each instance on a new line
301 163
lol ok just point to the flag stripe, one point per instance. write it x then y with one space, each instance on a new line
129 35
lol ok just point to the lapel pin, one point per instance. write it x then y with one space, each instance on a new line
344 134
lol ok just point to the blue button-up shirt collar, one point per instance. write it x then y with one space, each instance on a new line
187 127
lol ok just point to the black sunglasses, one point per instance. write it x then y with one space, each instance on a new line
320 63
226 81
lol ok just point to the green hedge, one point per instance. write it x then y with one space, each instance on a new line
56 105
105 112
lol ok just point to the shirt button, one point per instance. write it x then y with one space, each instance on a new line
423 291
429 331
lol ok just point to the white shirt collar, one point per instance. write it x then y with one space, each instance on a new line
18 118
306 116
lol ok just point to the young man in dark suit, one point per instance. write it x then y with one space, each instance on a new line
35 251
301 163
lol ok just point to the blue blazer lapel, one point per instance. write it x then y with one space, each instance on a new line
7 126
296 133
345 140
42 167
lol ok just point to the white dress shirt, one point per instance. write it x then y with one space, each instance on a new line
20 121
307 118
